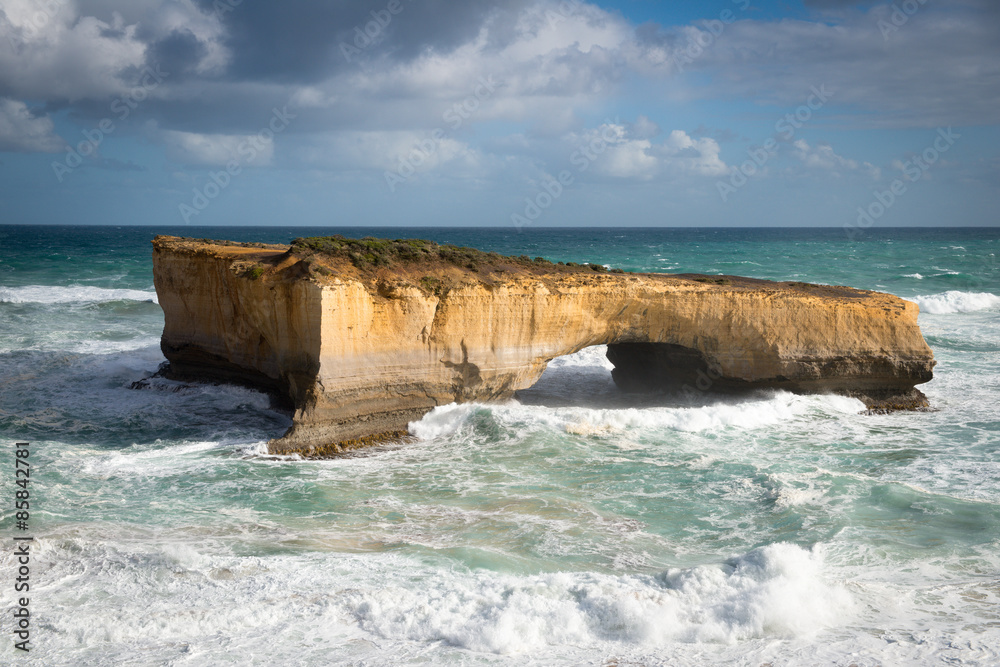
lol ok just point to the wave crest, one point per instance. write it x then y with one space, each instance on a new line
48 294
954 301
774 591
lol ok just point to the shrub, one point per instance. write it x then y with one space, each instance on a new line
431 284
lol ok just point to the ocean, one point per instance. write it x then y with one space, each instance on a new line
571 526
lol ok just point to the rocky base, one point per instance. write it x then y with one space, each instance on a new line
886 401
288 445
318 440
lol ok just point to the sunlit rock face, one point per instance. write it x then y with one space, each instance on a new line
359 351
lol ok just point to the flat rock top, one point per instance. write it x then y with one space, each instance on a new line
435 267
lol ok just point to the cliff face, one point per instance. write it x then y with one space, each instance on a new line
220 325
360 354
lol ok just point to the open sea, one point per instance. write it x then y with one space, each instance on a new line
572 526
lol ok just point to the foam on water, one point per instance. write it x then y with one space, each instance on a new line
781 406
776 591
49 294
108 347
49 342
590 357
156 594
954 301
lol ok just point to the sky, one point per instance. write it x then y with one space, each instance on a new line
519 113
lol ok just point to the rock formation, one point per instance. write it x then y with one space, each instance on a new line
362 337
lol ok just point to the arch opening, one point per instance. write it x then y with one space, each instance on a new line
627 375
658 367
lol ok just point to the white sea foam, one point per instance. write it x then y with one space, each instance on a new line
790 490
914 275
115 346
71 294
155 591
954 301
594 356
590 363
775 591
148 462
446 420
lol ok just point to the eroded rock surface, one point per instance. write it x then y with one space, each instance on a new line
359 349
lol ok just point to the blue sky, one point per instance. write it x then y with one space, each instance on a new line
523 113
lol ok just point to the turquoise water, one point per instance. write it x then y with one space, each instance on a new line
571 526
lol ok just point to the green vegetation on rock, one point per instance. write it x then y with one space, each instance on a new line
372 253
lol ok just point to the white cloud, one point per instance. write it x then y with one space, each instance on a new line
941 68
547 27
548 64
216 150
58 52
20 131
626 152
555 63
822 156
386 151
685 154
65 56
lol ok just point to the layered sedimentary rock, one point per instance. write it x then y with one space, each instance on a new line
359 350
